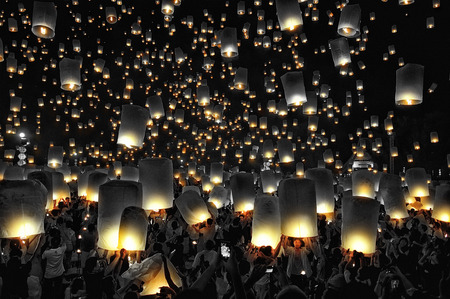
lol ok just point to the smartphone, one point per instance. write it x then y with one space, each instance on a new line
225 251
269 270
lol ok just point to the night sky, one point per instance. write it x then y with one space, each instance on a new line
100 99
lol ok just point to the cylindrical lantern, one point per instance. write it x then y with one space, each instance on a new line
340 51
133 229
441 209
219 196
46 180
285 151
14 173
405 2
114 197
192 207
409 84
349 21
416 180
156 176
359 224
269 181
60 188
266 225
22 208
363 184
216 173
298 208
44 19
133 123
289 14
243 191
240 79
83 182
323 180
69 73
111 15
95 179
203 96
55 156
393 197
229 46
130 173
267 149
294 88
156 107
310 106
207 185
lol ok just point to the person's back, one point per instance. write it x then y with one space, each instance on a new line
54 257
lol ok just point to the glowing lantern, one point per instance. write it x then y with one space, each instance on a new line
359 224
216 173
323 180
269 181
229 46
55 156
393 197
310 106
46 180
349 21
294 88
240 79
442 203
203 96
206 183
363 184
133 229
266 225
130 173
219 196
114 197
156 107
14 173
313 123
434 137
192 207
133 123
300 169
3 166
179 116
156 176
167 7
83 182
285 151
59 186
111 15
405 2
409 84
289 14
95 179
340 51
44 19
243 192
69 73
2 53
416 180
267 149
328 156
298 208
23 208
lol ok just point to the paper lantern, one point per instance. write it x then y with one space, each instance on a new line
416 180
55 156
393 197
167 7
241 78
323 180
69 73
363 184
359 224
111 15
409 84
310 106
156 176
44 19
434 137
114 197
219 196
83 182
3 166
428 201
267 149
207 185
133 229
216 173
300 169
14 173
95 179
294 88
266 225
203 96
269 182
340 51
328 155
243 192
289 14
130 173
229 46
46 179
441 209
298 208
285 151
2 53
156 107
349 21
405 2
23 208
60 188
192 207
133 124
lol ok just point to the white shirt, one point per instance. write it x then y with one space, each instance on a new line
54 258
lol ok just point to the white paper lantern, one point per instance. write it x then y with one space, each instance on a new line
441 209
133 229
243 192
229 46
285 151
133 124
323 180
363 184
219 196
156 176
409 84
350 20
294 88
416 180
69 73
95 179
393 197
192 207
289 14
130 173
44 19
55 156
266 225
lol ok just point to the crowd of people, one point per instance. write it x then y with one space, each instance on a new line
216 259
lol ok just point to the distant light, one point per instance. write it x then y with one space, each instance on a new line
22 135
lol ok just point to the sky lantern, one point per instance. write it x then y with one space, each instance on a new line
129 173
269 181
216 173
133 124
416 180
310 106
323 181
229 46
60 188
266 225
111 14
285 151
359 224
409 84
114 197
349 21
267 149
192 207
23 208
405 2
156 176
340 51
441 209
363 184
133 229
242 188
69 73
294 88
44 19
46 179
298 208
203 95
55 156
393 197
95 180
241 78
219 196
289 14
